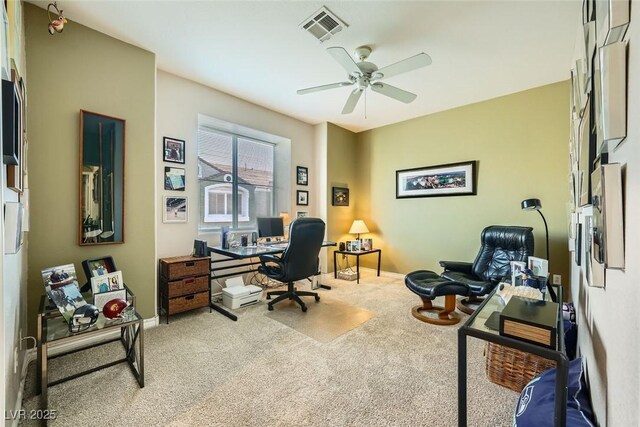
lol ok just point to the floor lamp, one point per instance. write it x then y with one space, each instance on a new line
535 204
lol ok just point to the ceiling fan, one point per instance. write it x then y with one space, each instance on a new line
367 75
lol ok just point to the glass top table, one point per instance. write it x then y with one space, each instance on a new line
53 330
475 326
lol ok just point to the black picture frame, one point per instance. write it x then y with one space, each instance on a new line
174 179
302 198
173 150
90 265
302 175
451 179
339 196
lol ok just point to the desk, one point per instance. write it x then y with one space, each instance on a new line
475 327
246 253
357 255
52 328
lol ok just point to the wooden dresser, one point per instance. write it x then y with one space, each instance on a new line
184 284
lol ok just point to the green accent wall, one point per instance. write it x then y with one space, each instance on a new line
520 143
84 69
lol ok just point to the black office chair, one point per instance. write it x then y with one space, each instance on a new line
499 245
299 260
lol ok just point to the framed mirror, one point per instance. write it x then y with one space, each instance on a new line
101 179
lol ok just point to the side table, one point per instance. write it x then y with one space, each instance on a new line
475 327
53 329
357 255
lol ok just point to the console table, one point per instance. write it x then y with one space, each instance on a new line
475 327
53 329
357 254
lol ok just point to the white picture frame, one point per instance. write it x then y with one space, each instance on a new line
99 300
175 209
107 282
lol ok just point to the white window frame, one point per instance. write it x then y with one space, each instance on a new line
227 190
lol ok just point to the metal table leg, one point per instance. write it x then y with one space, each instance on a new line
462 378
358 269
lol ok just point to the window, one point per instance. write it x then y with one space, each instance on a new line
236 179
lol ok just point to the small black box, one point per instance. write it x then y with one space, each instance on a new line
531 321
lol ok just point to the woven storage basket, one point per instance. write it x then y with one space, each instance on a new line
513 368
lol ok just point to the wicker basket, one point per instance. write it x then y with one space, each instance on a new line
513 368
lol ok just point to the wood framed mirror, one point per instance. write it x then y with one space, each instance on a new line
101 218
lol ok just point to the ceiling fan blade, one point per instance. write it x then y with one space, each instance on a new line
323 87
418 61
393 92
344 59
352 101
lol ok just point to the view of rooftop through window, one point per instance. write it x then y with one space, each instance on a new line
236 179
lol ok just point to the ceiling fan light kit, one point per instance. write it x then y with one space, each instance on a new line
367 75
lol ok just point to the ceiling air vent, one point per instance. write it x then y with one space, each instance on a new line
323 24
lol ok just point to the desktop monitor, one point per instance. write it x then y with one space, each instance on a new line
270 227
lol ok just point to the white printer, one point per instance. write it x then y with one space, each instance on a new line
237 295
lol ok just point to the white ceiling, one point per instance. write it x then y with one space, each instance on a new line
256 51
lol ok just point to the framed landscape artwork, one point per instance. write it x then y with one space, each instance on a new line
453 179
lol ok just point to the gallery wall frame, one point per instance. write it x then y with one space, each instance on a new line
451 179
302 175
173 150
339 196
302 198
175 209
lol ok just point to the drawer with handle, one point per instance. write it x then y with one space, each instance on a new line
188 285
188 302
178 267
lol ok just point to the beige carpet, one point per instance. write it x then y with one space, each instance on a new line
203 369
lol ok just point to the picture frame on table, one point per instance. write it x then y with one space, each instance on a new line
99 300
107 282
176 209
302 198
174 178
452 179
340 196
173 149
302 175
353 245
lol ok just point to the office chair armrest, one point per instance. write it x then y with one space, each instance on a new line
462 267
273 271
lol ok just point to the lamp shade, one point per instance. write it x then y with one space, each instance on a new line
531 204
358 227
286 219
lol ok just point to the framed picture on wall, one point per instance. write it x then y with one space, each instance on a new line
453 179
302 175
302 214
340 196
176 209
173 150
302 198
174 178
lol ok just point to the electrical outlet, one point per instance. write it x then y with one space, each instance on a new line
557 279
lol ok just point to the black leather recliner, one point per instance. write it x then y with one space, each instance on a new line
298 261
499 245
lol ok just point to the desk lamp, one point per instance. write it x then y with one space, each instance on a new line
535 204
358 227
286 222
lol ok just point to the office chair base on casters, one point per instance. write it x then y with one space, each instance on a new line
469 304
293 294
446 314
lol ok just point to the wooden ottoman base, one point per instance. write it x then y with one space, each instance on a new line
446 314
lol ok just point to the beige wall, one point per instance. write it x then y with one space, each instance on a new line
342 171
182 123
519 142
84 69
13 267
608 317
